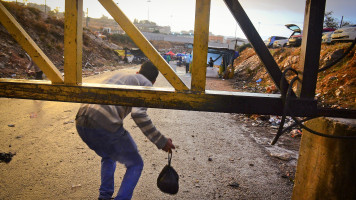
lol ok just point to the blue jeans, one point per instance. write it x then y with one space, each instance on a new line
112 147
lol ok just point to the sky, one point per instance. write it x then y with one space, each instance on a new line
268 16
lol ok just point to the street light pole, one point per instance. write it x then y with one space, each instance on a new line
148 10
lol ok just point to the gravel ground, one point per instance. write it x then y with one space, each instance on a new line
218 155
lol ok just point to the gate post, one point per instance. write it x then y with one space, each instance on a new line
326 167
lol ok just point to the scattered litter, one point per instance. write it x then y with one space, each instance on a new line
33 115
11 125
281 153
76 186
234 185
210 159
282 156
6 157
251 164
69 122
296 133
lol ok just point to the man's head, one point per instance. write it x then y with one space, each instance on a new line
149 71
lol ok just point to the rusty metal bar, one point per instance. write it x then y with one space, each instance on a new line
26 42
212 101
200 48
256 41
311 45
73 42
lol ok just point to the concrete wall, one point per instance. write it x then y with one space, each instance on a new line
183 39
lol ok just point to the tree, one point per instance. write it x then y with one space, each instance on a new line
104 17
329 20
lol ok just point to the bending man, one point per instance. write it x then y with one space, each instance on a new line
101 128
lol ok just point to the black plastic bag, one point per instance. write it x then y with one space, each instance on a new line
167 180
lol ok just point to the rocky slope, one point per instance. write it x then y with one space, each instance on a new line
48 33
336 87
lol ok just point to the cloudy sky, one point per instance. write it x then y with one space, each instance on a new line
268 16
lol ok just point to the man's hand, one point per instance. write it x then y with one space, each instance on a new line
169 146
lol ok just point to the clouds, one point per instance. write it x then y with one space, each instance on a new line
296 6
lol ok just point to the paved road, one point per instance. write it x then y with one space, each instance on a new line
51 161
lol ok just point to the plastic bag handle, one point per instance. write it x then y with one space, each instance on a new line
169 158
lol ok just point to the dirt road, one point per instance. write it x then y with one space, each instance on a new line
214 157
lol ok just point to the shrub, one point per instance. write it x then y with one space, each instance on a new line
243 47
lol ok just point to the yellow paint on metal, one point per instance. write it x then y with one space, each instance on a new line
200 49
37 55
213 101
145 46
73 34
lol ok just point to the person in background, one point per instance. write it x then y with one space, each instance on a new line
101 128
33 69
187 62
211 62
168 58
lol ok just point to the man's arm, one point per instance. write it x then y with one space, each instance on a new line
142 120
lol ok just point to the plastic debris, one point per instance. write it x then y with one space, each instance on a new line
76 186
296 133
6 157
234 185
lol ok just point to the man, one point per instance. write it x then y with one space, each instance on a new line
187 62
211 62
101 128
36 70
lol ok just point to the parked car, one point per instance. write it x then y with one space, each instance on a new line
295 40
326 38
347 33
326 35
280 43
272 39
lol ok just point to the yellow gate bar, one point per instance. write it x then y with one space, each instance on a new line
73 41
200 48
37 55
127 95
145 46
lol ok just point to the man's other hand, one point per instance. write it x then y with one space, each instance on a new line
169 146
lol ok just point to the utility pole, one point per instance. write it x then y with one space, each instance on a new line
87 21
45 6
148 10
342 18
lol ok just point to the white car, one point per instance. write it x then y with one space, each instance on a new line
280 43
326 38
347 33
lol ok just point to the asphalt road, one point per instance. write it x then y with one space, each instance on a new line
214 158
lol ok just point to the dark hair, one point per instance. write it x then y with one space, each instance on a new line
149 70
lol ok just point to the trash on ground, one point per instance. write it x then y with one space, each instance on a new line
234 185
6 157
295 133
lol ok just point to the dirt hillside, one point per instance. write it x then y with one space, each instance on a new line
335 87
48 33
